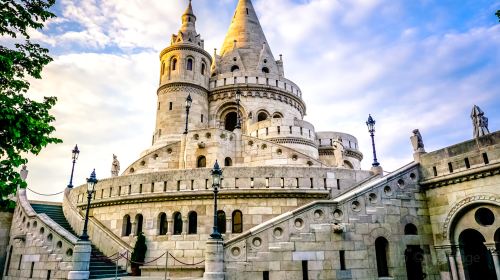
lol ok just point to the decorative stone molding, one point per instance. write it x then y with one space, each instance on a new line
186 47
293 140
182 87
459 206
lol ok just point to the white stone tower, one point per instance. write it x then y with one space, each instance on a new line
185 70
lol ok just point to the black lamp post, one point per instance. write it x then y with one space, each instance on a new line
238 120
371 128
216 176
75 154
91 182
189 100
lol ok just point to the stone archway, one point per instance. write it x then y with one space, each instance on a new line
477 262
230 121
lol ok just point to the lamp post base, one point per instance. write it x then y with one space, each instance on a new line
214 260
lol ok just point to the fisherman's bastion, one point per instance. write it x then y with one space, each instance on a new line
293 203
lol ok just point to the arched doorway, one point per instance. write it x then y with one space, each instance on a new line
414 256
476 259
230 121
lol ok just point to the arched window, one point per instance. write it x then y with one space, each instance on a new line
192 222
235 68
190 64
173 64
265 70
228 161
381 250
262 116
177 223
202 162
237 221
221 221
348 164
411 229
126 226
203 68
230 121
138 224
162 224
277 116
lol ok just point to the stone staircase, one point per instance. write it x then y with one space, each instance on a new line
100 266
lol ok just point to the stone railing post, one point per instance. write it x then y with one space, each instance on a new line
451 253
494 255
214 260
81 260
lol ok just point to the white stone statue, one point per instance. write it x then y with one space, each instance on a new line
115 166
24 172
479 121
417 142
338 152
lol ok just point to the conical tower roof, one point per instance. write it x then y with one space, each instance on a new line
245 41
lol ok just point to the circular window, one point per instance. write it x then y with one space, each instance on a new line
69 252
387 190
250 143
309 163
223 136
279 151
356 206
299 223
295 157
235 251
49 237
132 170
155 156
143 163
35 224
42 230
196 137
401 183
413 176
28 225
337 214
484 216
208 135
169 151
372 198
257 242
264 146
59 244
278 232
318 214
265 60
234 59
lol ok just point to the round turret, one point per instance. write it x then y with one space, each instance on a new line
185 70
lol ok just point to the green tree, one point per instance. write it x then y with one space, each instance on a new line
498 14
25 124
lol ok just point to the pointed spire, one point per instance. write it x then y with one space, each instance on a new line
188 19
189 10
245 39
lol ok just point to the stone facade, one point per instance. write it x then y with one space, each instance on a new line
5 224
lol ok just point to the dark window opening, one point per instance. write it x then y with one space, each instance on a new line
203 68
279 129
202 162
138 224
221 221
190 64
247 11
162 224
342 259
265 275
237 222
31 270
485 158
230 121
170 105
177 223
228 161
20 261
381 246
202 118
450 167
265 70
467 163
434 169
261 117
174 64
127 226
192 222
235 68
411 229
305 271
48 274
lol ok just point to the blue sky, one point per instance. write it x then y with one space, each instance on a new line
411 64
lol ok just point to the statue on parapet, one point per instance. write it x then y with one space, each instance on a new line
338 152
417 142
479 121
115 166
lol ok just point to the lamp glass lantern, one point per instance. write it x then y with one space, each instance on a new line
91 182
370 124
216 175
75 152
238 95
189 101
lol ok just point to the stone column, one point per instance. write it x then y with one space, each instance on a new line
133 230
185 224
229 224
494 255
182 152
239 146
81 261
451 254
214 260
170 226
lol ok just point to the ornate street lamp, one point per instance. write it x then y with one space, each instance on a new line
189 101
91 182
216 177
75 154
371 128
238 120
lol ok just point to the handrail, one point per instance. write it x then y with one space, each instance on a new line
92 220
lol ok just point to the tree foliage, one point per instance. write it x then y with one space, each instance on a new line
139 253
25 124
498 14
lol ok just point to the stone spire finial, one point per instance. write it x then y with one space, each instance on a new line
479 121
189 10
